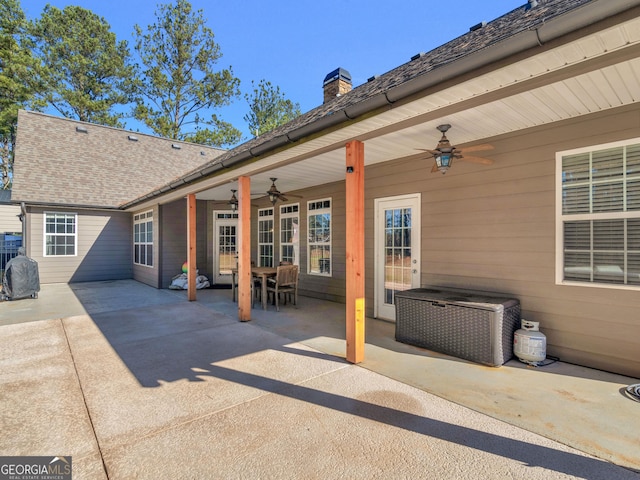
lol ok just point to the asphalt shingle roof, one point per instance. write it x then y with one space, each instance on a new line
56 164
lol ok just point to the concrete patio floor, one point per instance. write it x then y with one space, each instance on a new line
135 382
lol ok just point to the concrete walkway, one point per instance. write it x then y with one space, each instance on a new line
135 382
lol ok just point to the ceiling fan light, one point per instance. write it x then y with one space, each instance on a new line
274 193
233 202
443 162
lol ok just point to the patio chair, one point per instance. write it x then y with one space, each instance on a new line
285 282
286 262
256 289
255 286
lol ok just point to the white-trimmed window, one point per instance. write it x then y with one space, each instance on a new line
60 234
143 238
319 241
290 233
265 237
598 215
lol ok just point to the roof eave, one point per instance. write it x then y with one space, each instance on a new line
65 206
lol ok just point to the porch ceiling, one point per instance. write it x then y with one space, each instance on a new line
597 72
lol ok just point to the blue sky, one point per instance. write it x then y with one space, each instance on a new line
295 43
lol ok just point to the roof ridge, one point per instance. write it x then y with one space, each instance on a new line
119 129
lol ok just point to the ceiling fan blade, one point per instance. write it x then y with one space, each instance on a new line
434 168
431 152
283 198
477 148
480 160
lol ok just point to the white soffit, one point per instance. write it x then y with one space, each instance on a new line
611 87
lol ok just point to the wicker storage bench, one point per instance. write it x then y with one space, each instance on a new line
475 326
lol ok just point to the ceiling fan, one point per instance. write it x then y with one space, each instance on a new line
444 153
274 194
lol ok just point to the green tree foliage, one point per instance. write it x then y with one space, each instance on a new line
88 73
268 108
180 85
16 80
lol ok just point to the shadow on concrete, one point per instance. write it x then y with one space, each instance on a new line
161 337
180 340
529 454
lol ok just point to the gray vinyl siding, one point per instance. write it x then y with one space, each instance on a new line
211 207
173 239
9 221
493 228
143 273
202 231
103 253
332 287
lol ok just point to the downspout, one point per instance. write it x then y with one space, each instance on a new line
23 220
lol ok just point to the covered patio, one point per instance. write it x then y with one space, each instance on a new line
519 94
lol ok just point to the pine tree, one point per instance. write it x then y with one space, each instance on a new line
180 85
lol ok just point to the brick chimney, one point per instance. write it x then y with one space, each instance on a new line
336 83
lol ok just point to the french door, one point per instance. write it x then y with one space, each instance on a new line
225 255
397 247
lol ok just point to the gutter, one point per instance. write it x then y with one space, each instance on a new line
74 206
23 221
546 31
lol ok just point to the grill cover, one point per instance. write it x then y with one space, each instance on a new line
21 278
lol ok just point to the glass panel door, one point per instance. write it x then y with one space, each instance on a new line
225 253
398 251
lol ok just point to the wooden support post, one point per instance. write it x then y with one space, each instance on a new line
191 247
244 249
354 184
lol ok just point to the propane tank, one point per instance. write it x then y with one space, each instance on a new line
529 344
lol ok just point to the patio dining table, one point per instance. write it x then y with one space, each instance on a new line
257 272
